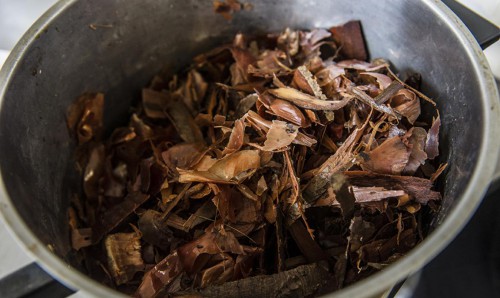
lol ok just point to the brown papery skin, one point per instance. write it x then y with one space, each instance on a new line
276 165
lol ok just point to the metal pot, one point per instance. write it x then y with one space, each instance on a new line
117 46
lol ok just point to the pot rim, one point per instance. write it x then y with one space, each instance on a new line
378 282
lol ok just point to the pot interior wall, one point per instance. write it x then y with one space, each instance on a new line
133 40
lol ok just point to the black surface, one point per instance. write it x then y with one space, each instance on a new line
469 266
32 282
485 32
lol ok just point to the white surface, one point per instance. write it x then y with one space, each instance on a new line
490 10
16 16
12 256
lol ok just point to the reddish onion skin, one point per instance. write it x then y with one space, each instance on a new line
245 141
301 82
290 112
382 80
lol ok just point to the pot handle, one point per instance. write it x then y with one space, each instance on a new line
485 32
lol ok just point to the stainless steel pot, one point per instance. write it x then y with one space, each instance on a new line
116 46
